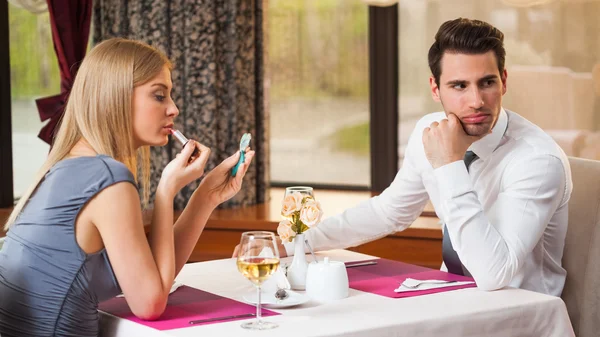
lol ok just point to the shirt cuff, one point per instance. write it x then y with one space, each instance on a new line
453 180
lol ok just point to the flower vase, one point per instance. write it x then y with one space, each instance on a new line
296 272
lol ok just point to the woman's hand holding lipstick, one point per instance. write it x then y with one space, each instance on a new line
183 141
184 168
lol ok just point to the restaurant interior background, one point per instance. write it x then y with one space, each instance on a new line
317 75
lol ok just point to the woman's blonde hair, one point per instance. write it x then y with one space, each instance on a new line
99 109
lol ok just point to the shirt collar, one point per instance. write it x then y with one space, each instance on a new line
484 147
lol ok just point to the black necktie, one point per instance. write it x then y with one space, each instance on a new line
451 259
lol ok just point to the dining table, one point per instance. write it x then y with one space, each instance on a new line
372 308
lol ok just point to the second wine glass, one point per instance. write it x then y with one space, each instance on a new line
306 191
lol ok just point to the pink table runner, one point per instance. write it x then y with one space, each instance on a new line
385 276
184 305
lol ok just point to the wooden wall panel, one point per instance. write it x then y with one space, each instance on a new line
427 252
420 246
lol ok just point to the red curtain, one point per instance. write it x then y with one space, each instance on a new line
70 21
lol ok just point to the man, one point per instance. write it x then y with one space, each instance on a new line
499 183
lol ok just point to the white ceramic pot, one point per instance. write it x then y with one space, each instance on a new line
327 280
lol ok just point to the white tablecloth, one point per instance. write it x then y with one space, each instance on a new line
465 312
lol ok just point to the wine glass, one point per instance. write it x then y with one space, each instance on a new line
257 261
306 191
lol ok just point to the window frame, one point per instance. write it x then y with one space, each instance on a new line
6 163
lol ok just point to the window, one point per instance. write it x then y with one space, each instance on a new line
553 64
318 88
33 74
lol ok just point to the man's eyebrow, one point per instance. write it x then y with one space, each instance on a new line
456 82
487 78
483 79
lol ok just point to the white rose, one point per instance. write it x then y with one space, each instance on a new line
291 203
285 231
311 213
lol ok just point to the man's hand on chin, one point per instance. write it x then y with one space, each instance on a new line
446 141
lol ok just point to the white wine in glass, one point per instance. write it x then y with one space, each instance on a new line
257 260
257 269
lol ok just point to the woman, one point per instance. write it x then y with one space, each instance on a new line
76 237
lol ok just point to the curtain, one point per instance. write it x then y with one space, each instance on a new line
70 23
217 50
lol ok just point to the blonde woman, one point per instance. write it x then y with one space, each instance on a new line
76 237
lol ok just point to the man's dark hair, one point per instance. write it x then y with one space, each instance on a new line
465 36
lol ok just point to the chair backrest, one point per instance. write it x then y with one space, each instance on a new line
581 256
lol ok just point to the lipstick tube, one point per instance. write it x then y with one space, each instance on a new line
183 140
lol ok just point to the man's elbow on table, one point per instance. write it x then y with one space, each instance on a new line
494 272
495 279
490 283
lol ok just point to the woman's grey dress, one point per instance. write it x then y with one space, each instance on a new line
48 285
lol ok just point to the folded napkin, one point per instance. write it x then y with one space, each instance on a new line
411 284
173 288
278 280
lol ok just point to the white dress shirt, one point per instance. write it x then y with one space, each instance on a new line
506 216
